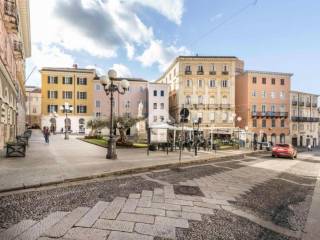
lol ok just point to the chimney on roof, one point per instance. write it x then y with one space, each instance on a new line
75 65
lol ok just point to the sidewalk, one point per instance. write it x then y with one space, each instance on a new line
70 160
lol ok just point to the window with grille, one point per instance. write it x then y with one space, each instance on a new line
82 95
67 80
52 94
67 94
81 109
224 83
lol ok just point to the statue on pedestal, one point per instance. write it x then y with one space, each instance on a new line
141 125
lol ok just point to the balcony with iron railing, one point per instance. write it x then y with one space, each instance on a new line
225 73
269 114
308 104
305 119
301 104
201 72
315 105
187 72
213 106
212 73
225 106
18 49
11 17
294 102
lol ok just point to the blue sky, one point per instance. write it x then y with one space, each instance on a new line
141 37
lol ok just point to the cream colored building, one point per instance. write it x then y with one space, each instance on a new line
305 119
15 47
73 86
33 106
206 86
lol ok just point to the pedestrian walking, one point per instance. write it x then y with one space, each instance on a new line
46 134
309 147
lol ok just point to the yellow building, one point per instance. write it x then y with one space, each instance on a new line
15 47
206 86
72 86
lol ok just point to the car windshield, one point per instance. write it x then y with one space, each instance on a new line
282 145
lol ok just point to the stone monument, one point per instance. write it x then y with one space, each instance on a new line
141 125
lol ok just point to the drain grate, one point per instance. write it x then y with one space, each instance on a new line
188 190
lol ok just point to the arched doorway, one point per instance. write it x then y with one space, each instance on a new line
53 125
67 123
264 137
274 138
81 125
294 140
282 138
301 141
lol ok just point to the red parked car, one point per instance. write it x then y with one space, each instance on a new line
284 150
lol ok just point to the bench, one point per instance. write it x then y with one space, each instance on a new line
16 149
23 139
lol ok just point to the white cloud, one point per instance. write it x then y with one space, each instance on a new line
99 70
99 28
46 56
164 54
171 9
122 70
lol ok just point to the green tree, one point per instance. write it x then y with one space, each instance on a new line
96 124
123 123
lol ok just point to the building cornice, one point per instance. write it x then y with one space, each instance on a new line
78 70
304 93
269 73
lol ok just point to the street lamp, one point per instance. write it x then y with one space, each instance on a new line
109 87
196 121
66 108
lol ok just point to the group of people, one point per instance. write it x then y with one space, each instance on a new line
46 134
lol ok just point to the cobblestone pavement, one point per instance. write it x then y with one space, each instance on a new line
234 199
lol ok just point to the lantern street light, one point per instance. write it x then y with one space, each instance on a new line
66 108
109 88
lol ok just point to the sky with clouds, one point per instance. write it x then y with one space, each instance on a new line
139 38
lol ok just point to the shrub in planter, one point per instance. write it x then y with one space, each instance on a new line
93 137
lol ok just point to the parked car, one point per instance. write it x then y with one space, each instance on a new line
284 150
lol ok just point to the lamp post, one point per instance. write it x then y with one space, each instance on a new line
66 108
109 88
195 121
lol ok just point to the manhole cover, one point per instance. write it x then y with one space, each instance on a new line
187 190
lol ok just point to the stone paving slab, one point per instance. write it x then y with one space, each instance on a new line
145 201
185 215
176 222
128 236
158 199
151 211
166 206
130 205
179 202
169 192
200 210
132 217
80 233
16 229
36 230
146 193
114 208
134 195
89 219
60 229
115 225
164 231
